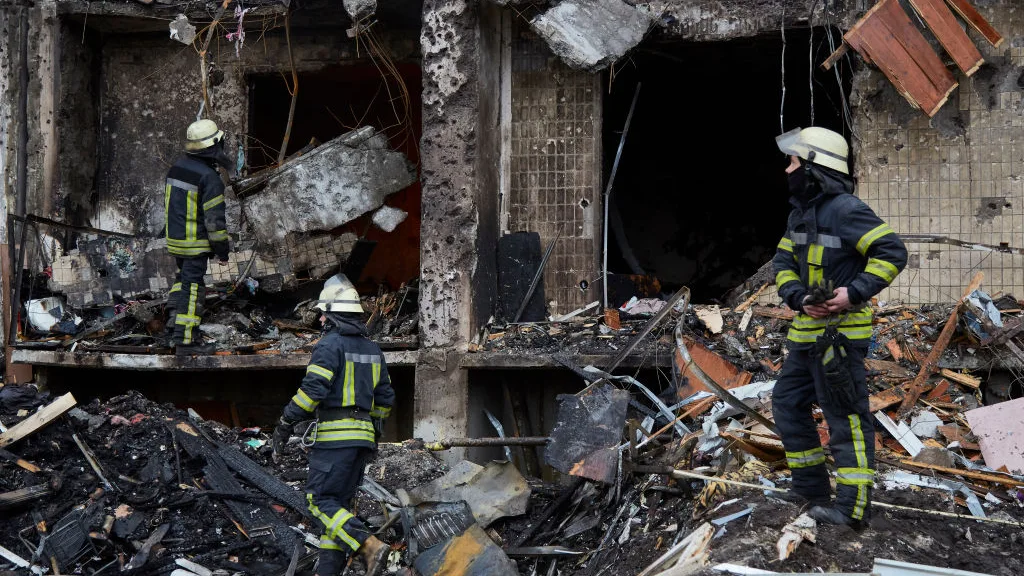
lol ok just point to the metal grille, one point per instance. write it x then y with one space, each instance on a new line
555 167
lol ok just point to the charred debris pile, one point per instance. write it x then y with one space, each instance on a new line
689 479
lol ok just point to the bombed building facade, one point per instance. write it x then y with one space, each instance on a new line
437 132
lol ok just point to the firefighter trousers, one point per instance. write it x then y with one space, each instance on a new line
185 299
851 432
334 476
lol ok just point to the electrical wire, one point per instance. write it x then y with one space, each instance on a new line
782 104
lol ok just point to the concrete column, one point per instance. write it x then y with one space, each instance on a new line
449 218
453 194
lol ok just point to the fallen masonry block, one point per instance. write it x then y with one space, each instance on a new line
333 184
591 34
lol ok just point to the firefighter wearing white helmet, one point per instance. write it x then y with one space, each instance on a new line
835 256
339 295
348 390
195 228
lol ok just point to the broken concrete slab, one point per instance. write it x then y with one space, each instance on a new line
926 424
333 184
592 34
388 218
181 30
493 491
360 9
1000 432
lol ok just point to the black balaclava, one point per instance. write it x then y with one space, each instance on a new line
798 181
351 320
217 154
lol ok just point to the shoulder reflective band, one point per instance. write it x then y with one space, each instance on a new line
875 233
786 244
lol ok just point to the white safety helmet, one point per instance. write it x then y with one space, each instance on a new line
817 145
202 134
339 295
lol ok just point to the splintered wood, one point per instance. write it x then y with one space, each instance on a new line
38 420
949 33
887 38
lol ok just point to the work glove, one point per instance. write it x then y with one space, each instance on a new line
378 428
282 432
221 250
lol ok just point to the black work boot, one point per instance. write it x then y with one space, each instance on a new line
833 515
794 497
195 349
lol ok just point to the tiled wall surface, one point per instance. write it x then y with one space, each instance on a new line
555 168
969 187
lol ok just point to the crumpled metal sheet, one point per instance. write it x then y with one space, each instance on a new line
587 432
470 554
493 491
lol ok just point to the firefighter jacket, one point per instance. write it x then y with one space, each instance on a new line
835 237
346 384
194 207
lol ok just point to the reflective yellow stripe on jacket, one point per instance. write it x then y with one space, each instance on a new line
854 325
346 429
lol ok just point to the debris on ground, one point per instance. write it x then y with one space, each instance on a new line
687 479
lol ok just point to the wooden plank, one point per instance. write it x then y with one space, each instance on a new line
976 21
38 420
889 369
894 348
4 454
938 81
888 38
753 297
947 30
965 379
774 312
889 397
930 364
973 475
835 56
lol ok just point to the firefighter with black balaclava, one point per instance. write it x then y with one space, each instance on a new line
835 256
348 388
195 228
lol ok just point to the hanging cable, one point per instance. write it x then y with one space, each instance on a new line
782 105
810 57
847 113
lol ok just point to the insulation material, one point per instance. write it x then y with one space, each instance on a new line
1000 431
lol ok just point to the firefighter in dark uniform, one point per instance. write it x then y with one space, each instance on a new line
195 228
348 387
835 256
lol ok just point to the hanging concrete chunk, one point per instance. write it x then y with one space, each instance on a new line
327 187
591 34
182 30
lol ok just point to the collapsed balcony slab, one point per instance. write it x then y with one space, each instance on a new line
333 184
589 34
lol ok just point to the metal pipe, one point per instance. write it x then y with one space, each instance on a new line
608 191
537 276
484 442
